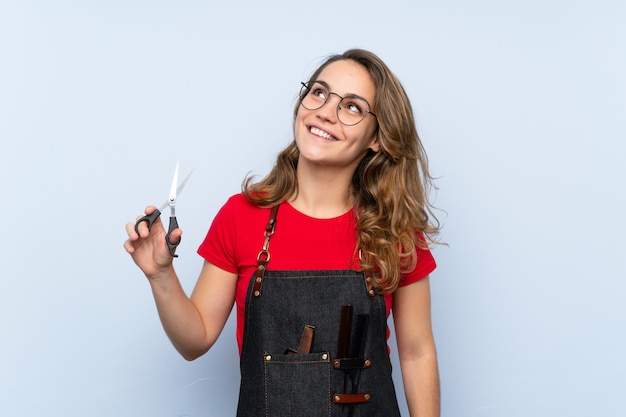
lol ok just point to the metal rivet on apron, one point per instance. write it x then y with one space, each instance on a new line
268 357
368 363
257 293
371 292
336 363
324 356
258 279
367 397
337 398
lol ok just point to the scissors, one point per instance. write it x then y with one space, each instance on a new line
171 202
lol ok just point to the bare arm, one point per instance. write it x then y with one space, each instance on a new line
192 323
416 348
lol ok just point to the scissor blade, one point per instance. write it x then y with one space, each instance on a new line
174 186
178 190
182 184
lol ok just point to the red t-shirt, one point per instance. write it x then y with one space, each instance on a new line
300 242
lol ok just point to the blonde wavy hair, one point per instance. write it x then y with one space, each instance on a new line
390 187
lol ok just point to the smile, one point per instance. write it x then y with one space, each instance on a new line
319 132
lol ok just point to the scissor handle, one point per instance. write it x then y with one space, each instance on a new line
149 218
172 246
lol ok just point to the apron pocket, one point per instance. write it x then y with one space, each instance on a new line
297 385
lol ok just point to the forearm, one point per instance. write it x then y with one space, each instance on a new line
180 318
416 348
421 385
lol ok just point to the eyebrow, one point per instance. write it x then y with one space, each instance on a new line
351 95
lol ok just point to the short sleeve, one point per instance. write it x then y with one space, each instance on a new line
424 266
218 246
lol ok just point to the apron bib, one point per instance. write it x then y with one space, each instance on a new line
314 345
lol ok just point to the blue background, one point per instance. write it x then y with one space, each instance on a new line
521 107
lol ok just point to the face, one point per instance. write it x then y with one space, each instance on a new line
321 138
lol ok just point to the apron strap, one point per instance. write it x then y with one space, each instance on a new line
264 255
369 278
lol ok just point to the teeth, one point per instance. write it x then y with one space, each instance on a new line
321 133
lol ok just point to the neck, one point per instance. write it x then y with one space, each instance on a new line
323 192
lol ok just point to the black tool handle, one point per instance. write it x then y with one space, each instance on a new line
172 246
357 348
345 332
148 218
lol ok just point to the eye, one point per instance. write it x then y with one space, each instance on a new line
353 106
319 92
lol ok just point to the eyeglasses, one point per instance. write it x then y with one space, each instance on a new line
350 111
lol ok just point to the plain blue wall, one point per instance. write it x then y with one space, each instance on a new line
521 106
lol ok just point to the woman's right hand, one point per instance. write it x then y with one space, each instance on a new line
148 248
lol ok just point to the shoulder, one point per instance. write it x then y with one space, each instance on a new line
239 201
236 229
241 211
239 204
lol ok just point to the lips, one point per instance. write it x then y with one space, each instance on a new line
320 133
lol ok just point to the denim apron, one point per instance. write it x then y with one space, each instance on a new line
314 344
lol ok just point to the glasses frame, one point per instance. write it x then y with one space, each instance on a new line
305 86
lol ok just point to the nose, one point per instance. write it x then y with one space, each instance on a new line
330 109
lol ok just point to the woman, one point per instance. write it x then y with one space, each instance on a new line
315 255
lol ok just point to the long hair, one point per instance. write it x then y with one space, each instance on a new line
390 187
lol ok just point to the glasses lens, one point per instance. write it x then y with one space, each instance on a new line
352 110
315 97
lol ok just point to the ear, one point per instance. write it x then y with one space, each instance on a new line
375 145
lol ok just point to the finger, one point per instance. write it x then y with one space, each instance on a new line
141 228
138 230
128 246
130 231
175 236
